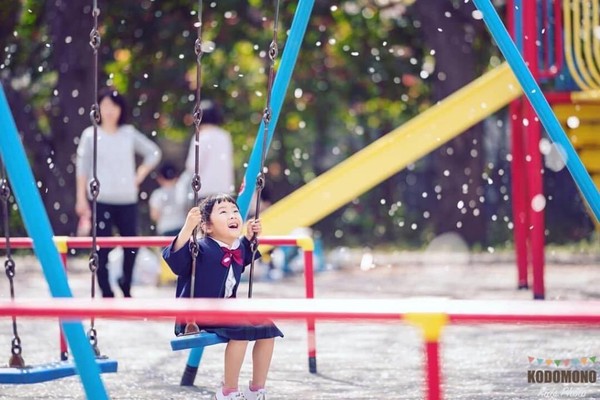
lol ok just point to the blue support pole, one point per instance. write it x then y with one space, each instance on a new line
282 80
39 229
540 104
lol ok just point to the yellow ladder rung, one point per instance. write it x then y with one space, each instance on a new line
584 112
591 159
596 179
585 135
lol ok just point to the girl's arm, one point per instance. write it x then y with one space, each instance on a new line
177 255
191 221
179 261
253 225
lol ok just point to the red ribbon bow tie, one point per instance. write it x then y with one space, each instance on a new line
230 256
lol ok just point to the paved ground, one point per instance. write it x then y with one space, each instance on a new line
355 361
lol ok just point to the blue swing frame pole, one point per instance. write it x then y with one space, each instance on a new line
39 229
540 104
282 80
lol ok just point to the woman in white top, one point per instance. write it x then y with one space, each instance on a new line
117 146
215 158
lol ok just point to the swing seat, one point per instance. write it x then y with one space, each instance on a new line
49 371
198 340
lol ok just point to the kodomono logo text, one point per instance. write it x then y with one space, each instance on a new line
570 370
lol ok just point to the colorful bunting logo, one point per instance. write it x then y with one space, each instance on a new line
562 370
564 362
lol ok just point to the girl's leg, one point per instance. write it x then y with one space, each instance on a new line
261 361
234 357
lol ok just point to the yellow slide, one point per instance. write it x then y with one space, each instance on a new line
393 152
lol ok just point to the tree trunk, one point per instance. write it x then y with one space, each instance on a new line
459 164
69 23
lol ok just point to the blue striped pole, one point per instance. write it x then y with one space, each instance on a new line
282 80
39 229
540 104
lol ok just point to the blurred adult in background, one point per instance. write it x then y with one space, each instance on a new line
215 156
166 209
119 176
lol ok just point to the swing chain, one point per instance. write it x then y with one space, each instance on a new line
194 250
196 185
92 335
16 346
9 266
196 181
267 115
191 327
16 359
94 185
95 114
198 113
95 39
273 49
260 184
267 112
4 190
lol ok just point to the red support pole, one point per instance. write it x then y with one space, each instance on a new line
432 371
63 249
536 205
310 322
519 192
518 180
533 159
431 324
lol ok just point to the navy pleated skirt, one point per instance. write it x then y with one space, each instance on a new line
246 332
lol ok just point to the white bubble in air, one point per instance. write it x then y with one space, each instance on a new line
538 203
573 122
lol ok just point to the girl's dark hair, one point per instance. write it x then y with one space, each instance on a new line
206 206
211 113
116 98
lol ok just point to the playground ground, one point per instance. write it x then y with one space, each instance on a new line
355 361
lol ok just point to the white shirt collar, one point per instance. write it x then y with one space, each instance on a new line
235 245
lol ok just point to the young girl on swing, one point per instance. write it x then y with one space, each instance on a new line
222 257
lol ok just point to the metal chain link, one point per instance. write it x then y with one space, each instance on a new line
95 41
266 118
191 327
16 359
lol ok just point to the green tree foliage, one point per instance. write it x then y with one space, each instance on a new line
365 68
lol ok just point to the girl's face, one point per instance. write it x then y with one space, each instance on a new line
225 222
109 111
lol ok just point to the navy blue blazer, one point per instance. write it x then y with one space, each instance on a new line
210 273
